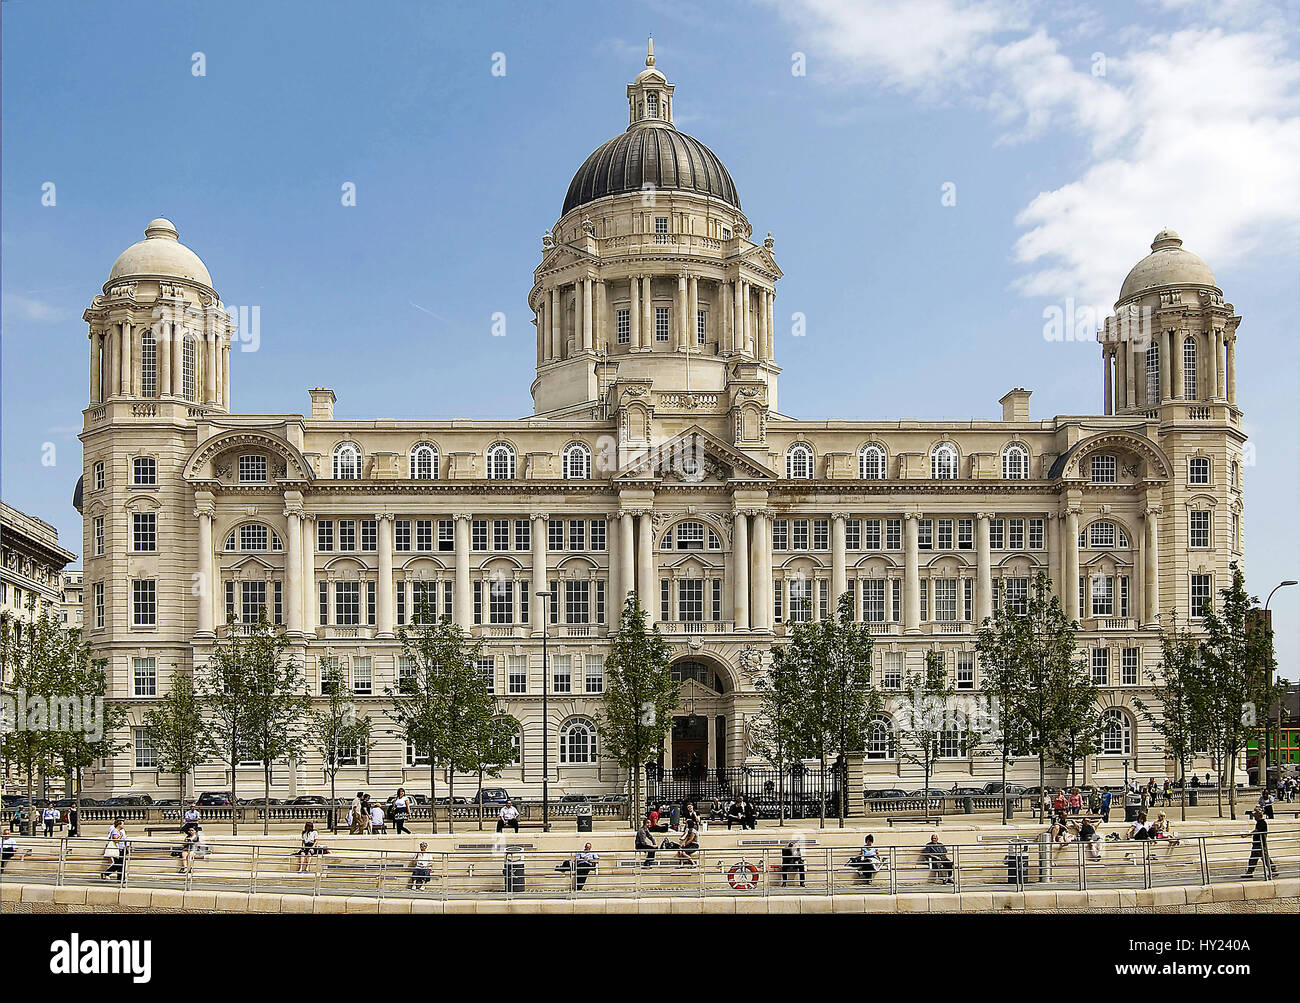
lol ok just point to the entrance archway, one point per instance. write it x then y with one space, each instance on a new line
698 740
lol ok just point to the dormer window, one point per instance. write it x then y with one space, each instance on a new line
652 105
252 469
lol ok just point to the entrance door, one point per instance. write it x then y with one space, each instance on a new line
690 747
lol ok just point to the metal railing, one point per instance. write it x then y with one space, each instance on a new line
514 869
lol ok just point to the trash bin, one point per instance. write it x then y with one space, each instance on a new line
1009 809
584 818
968 805
514 872
1017 861
1131 812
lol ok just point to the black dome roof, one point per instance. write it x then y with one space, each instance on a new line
657 155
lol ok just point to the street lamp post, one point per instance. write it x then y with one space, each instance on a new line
546 738
1265 757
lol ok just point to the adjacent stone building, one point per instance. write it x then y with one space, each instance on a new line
31 565
656 460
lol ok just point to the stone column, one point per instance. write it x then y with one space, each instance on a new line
537 607
178 361
225 376
983 569
764 332
1106 400
740 569
539 321
1151 565
463 602
634 311
911 574
204 512
1212 365
1070 570
771 324
1231 358
646 570
1055 558
384 593
124 361
310 601
738 323
1121 375
839 559
647 313
626 557
210 368
293 569
553 314
1163 341
1175 364
760 578
96 396
727 303
681 340
693 312
1220 366
588 315
164 356
600 320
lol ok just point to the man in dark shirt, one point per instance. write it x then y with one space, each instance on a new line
645 842
936 855
1259 847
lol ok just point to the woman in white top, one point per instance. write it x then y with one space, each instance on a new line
308 848
421 868
377 825
115 851
401 812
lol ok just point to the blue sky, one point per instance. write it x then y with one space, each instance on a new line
1062 176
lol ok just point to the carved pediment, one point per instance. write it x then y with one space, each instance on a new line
694 456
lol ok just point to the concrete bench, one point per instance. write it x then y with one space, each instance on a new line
928 819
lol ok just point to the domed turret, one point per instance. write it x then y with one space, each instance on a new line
160 255
1167 265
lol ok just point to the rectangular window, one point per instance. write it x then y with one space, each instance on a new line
661 222
1103 595
523 534
325 535
717 599
145 471
593 667
997 530
423 534
944 535
799 534
1015 534
524 589
1198 529
893 534
230 599
823 598
555 602
701 326
400 594
1123 595
871 534
965 670
446 536
925 599
99 604
405 673
370 603
347 603
252 469
597 535
144 672
1035 534
146 757
925 534
577 535
892 670
945 599
331 677
555 535
853 534
562 673
362 680
968 599
1101 666
873 600
144 593
517 674
800 600
478 534
323 606
661 323
501 601
252 601
665 600
416 757
487 671
1016 595
347 534
97 531
1128 666
965 534
821 534
500 534
402 535
369 534
690 599
780 534
1198 470
776 602
1200 595
144 532
624 326
478 601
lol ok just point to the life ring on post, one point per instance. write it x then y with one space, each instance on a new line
743 876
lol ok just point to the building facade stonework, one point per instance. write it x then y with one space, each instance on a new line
656 461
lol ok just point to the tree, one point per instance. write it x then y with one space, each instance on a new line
833 657
928 728
778 733
640 697
1077 713
489 749
84 678
333 728
1238 663
175 727
1176 687
999 644
31 659
434 703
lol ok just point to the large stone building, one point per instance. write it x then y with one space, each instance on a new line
32 579
656 460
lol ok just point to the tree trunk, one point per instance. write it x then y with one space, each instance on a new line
1182 770
479 800
334 808
234 806
925 798
1042 775
451 808
1218 788
1005 799
821 801
266 798
1230 775
780 791
433 808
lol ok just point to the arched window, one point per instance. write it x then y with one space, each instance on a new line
576 462
424 462
871 463
799 462
652 105
943 462
1116 733
880 737
1153 374
1103 536
148 364
501 462
690 536
1189 367
1198 470
189 368
253 537
578 743
347 462
1015 462
1103 469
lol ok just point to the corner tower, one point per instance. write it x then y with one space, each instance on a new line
649 282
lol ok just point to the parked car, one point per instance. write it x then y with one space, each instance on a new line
935 792
493 795
1013 790
575 799
888 794
613 798
966 792
455 800
309 799
128 801
167 803
214 799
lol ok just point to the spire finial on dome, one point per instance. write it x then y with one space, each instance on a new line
1167 237
650 52
161 227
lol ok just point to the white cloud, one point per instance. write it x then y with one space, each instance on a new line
1198 128
26 308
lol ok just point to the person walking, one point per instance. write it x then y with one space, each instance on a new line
49 819
357 818
1259 848
1105 805
401 812
74 822
508 817
115 851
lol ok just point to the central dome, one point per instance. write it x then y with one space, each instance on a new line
653 154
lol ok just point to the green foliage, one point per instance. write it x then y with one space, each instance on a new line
176 730
927 719
1177 690
335 727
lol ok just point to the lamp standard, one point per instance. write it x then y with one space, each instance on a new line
1265 757
546 737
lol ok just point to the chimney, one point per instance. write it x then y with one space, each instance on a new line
1015 404
322 404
